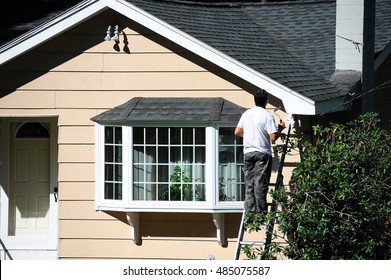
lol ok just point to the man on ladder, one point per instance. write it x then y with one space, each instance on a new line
258 128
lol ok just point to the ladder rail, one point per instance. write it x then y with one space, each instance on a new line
240 237
279 183
270 224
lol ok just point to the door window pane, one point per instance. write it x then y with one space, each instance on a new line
32 130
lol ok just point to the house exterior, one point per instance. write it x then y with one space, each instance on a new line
124 148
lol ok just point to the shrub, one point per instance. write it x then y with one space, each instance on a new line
339 206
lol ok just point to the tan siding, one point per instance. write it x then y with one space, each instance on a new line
92 248
63 81
151 249
76 154
31 112
122 80
148 62
80 210
110 229
76 135
78 76
80 172
29 99
108 99
77 191
137 44
165 81
98 61
88 62
78 99
76 117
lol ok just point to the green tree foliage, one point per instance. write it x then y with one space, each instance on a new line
340 203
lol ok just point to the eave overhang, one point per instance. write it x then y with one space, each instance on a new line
294 102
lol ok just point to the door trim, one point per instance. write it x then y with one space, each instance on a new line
28 243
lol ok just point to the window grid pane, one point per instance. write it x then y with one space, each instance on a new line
170 168
231 178
113 163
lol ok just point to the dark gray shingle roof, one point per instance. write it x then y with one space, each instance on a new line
172 110
245 33
292 42
21 16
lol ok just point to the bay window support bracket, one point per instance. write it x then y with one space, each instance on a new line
134 222
219 221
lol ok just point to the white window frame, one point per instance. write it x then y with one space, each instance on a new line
221 205
126 204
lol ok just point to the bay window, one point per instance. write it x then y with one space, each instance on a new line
163 164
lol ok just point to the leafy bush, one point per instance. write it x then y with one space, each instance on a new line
340 203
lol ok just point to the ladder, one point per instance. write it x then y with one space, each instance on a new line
270 224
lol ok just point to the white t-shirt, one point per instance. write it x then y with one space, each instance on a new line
257 123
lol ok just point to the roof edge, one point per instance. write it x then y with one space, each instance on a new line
50 29
294 102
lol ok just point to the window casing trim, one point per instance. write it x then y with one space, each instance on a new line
126 204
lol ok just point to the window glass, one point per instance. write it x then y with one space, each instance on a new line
150 135
32 130
138 135
169 165
113 163
199 136
231 180
163 135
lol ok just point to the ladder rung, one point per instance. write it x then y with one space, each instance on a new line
257 243
270 224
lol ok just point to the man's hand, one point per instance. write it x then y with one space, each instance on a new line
281 126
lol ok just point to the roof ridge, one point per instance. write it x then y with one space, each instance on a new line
128 110
216 109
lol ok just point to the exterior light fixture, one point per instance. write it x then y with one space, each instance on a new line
116 32
108 34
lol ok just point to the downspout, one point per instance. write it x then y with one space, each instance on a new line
368 71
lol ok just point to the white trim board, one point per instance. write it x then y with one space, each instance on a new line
294 102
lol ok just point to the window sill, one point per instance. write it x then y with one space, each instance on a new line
232 208
218 216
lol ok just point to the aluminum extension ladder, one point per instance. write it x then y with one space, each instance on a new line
270 224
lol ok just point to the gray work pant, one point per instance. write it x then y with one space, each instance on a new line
257 170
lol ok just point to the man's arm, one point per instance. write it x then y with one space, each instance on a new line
238 131
280 127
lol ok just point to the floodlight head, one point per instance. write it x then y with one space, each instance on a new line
108 32
116 33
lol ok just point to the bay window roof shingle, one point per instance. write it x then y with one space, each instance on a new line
141 109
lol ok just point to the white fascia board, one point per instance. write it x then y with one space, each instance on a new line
294 102
51 29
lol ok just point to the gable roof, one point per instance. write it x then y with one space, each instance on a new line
291 56
139 109
247 33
